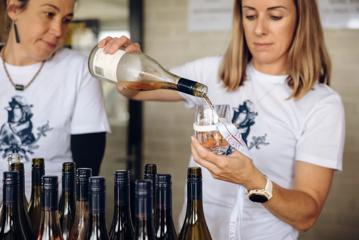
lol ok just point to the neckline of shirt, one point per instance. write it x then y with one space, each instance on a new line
16 70
265 76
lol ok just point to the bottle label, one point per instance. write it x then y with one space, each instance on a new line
104 65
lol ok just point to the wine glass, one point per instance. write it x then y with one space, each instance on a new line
205 127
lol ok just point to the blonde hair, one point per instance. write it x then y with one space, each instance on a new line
308 59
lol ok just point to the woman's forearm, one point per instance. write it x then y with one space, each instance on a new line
294 207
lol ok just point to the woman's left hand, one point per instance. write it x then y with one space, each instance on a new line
235 168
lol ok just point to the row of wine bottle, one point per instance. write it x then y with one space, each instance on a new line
80 213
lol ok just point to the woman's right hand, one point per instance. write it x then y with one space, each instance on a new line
112 44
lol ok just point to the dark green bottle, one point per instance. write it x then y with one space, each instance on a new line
12 223
165 229
121 228
19 166
151 174
67 205
23 204
194 226
97 227
144 227
38 170
79 229
50 225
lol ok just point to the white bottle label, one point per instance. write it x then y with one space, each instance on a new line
104 65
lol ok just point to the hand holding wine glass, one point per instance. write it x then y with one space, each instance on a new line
206 127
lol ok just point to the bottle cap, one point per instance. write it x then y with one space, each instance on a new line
38 163
68 167
150 168
11 178
17 166
121 176
49 182
163 180
143 187
97 183
83 174
194 174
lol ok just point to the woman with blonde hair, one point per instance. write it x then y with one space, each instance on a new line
277 69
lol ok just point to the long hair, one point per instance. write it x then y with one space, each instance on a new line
308 59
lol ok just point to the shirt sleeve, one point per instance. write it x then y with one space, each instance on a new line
89 114
322 139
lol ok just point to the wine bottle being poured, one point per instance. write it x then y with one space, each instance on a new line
137 71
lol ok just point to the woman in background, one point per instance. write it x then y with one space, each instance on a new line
277 71
50 106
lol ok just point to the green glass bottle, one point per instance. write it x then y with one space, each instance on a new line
19 166
194 226
144 227
121 228
38 170
12 223
67 205
23 204
97 227
151 174
50 224
165 229
79 229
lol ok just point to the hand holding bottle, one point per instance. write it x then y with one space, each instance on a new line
111 45
120 61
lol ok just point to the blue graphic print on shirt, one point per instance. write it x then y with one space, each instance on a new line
16 135
244 118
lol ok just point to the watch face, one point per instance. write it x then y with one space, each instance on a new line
258 198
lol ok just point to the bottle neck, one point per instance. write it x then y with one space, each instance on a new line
68 182
35 193
36 175
122 200
49 200
194 198
122 195
194 190
164 202
143 209
97 214
191 87
97 203
82 191
11 197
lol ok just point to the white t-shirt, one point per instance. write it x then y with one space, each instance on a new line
64 99
278 132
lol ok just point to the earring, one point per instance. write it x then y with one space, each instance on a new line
17 37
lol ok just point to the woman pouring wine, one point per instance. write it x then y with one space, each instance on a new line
276 73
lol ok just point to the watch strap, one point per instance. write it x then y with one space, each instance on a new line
266 192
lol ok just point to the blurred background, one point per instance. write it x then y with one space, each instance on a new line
176 31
